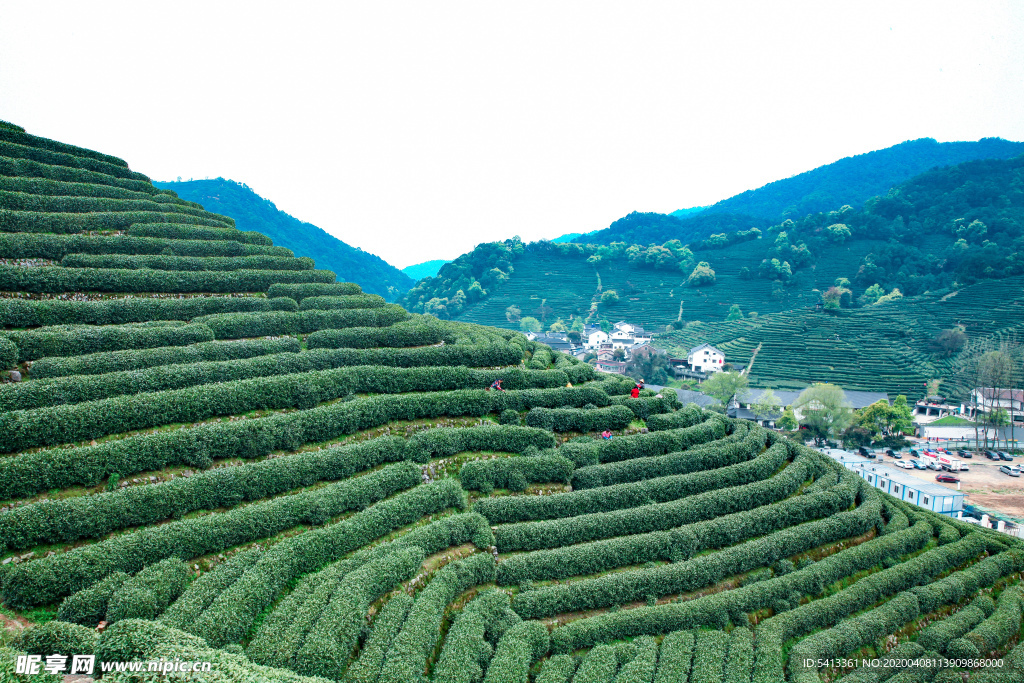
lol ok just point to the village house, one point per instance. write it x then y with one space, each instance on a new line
986 399
705 358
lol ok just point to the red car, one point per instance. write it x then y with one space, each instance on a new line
947 479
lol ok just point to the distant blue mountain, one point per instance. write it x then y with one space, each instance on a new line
852 181
252 212
425 269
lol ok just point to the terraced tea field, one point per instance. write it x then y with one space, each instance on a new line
653 298
229 457
875 348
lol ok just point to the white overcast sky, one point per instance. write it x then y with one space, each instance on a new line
416 130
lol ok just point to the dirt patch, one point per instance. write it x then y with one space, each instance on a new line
1009 503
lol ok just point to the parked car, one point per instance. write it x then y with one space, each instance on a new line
865 452
992 455
918 465
896 455
890 452
934 465
1011 471
1005 456
964 454
906 464
947 479
914 453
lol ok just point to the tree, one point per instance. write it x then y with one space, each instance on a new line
725 385
578 325
788 420
995 371
610 298
873 294
649 364
891 296
767 406
513 314
837 232
529 324
735 313
825 410
904 416
948 342
701 275
878 418
557 326
606 326
618 354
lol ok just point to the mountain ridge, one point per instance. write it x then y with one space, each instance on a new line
253 212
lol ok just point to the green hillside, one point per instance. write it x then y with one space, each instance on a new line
253 212
229 457
852 181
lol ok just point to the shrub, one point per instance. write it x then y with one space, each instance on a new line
677 544
413 645
698 572
557 669
56 247
147 594
32 313
997 629
416 332
939 634
509 417
188 263
69 519
574 419
238 325
203 591
709 654
327 303
652 517
141 223
607 498
598 666
329 643
50 578
641 668
55 279
187 230
301 291
76 341
675 658
199 445
9 354
59 424
366 669
88 606
514 473
128 360
57 637
518 649
707 456
232 613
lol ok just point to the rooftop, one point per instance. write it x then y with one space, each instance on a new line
857 399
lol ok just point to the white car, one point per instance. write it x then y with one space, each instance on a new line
905 464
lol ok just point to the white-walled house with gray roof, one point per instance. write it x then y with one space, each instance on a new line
705 358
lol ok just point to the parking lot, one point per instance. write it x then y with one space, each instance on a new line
982 485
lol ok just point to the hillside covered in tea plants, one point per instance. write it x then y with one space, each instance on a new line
227 456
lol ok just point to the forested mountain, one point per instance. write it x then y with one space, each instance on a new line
939 232
849 181
252 212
